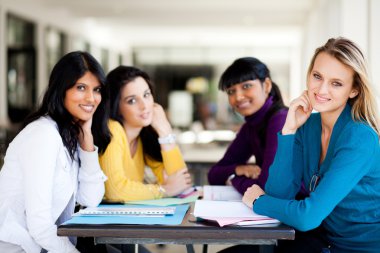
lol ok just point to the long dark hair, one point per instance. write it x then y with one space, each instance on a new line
64 75
250 68
116 80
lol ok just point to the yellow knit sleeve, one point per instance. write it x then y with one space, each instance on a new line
116 162
172 162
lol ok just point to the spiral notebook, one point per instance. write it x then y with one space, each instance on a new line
133 211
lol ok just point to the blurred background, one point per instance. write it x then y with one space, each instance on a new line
183 45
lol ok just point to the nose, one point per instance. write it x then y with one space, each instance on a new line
239 95
142 104
90 97
323 89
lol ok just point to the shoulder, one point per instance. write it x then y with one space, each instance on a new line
42 132
115 127
279 115
278 118
359 134
44 127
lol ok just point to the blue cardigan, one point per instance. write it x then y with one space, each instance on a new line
347 198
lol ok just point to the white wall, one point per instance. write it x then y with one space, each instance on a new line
354 19
373 44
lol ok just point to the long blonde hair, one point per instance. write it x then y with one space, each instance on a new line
347 52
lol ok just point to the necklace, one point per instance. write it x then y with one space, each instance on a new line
314 181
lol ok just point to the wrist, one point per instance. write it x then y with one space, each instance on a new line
254 201
229 179
163 130
162 191
168 139
285 131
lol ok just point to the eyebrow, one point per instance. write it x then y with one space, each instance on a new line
133 96
127 97
99 85
334 78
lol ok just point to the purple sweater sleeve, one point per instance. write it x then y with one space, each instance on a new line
275 124
237 153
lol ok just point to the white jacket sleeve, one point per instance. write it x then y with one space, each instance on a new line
38 160
91 179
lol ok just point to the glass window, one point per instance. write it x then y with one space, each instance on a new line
21 69
104 59
55 47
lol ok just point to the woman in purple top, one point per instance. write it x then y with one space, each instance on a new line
252 93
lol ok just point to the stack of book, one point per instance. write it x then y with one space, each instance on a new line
223 204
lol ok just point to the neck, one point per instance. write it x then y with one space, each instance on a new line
329 119
132 134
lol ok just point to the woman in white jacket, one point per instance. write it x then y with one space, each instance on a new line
53 162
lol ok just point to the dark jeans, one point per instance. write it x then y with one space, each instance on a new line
313 241
87 245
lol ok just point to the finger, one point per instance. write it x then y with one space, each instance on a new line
182 171
309 101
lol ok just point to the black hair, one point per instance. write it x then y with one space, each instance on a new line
117 79
64 75
250 68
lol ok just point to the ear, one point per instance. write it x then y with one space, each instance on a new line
267 85
353 93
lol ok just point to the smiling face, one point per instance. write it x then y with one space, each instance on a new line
136 104
83 98
248 97
330 84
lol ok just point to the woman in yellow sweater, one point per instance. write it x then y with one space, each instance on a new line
141 136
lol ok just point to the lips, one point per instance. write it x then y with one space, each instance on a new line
87 108
321 99
145 115
243 105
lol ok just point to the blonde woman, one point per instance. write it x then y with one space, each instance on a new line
335 152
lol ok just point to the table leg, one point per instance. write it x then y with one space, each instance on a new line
205 248
190 248
136 248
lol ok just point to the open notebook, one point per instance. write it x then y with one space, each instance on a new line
223 204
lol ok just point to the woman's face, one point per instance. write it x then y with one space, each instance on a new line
83 98
330 84
248 97
136 104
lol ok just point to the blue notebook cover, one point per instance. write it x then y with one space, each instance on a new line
175 219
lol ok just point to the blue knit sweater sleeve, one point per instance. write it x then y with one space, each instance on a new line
284 179
352 157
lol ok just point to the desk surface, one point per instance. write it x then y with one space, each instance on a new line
189 232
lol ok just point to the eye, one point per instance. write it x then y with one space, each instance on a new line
230 92
317 76
247 86
337 84
131 101
147 94
81 87
98 89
